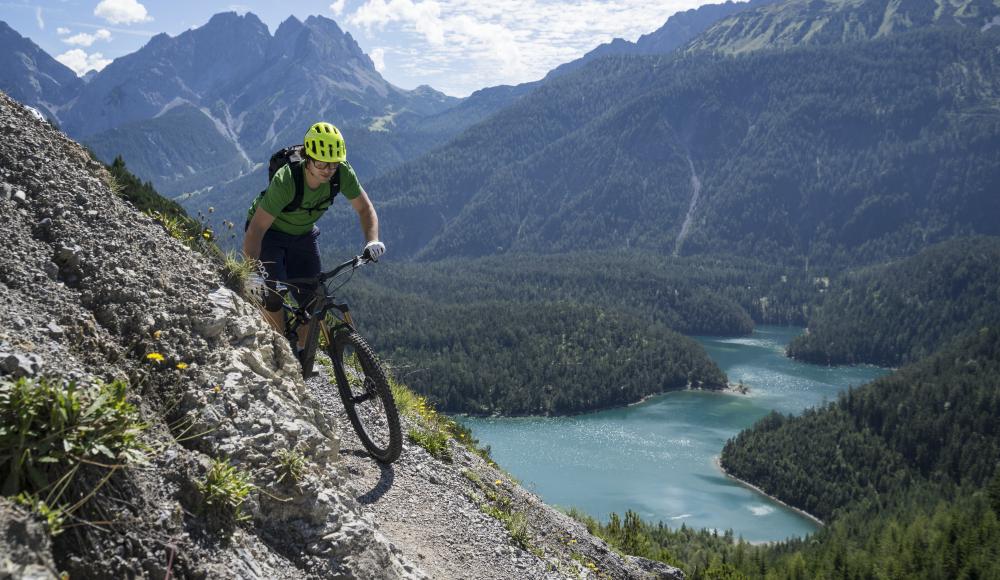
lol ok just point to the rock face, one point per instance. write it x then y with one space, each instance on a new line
32 76
25 548
89 287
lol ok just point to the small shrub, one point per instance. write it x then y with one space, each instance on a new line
236 271
291 464
434 429
49 427
224 490
434 441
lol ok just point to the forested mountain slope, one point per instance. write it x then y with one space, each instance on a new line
848 152
904 311
931 421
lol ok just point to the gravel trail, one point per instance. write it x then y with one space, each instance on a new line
430 510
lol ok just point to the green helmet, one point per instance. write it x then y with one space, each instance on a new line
325 143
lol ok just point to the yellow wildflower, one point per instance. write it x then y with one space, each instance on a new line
182 366
155 356
156 334
498 482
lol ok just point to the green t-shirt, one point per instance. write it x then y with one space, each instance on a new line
282 190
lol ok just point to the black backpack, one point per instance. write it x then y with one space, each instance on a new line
294 156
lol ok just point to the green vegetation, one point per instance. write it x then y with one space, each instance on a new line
548 334
431 429
926 535
224 490
847 154
934 420
828 22
291 465
905 471
142 194
498 503
904 311
505 358
50 428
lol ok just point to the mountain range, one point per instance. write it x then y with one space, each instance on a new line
209 105
716 132
198 113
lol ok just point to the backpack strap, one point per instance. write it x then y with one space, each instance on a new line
298 176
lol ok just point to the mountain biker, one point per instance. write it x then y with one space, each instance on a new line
284 241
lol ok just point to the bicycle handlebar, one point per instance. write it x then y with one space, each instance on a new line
353 263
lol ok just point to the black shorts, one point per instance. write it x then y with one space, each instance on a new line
286 257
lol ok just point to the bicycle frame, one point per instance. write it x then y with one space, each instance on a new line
322 303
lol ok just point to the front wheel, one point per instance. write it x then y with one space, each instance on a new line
367 397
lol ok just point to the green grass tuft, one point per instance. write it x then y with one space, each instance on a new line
224 490
291 465
50 427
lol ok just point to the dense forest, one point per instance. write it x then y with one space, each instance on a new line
928 533
903 311
905 471
561 334
935 419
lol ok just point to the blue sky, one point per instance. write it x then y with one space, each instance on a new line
456 46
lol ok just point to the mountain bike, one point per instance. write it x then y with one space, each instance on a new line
361 380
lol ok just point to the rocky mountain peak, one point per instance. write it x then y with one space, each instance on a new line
328 44
30 75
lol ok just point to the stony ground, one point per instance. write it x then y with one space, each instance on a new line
432 512
90 288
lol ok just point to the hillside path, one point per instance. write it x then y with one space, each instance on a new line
425 507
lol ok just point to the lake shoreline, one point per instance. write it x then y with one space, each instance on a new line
730 389
718 464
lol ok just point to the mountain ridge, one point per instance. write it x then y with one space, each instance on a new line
765 145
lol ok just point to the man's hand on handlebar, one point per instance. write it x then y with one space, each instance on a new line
373 250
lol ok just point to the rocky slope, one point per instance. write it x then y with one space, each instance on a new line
91 288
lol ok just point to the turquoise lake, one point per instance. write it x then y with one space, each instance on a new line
658 458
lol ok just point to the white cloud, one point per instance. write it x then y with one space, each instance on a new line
84 39
81 62
122 11
424 17
337 7
61 31
38 17
378 57
461 46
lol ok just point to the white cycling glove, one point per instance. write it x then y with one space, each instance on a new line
256 285
374 249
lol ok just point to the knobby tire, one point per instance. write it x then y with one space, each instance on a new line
367 397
